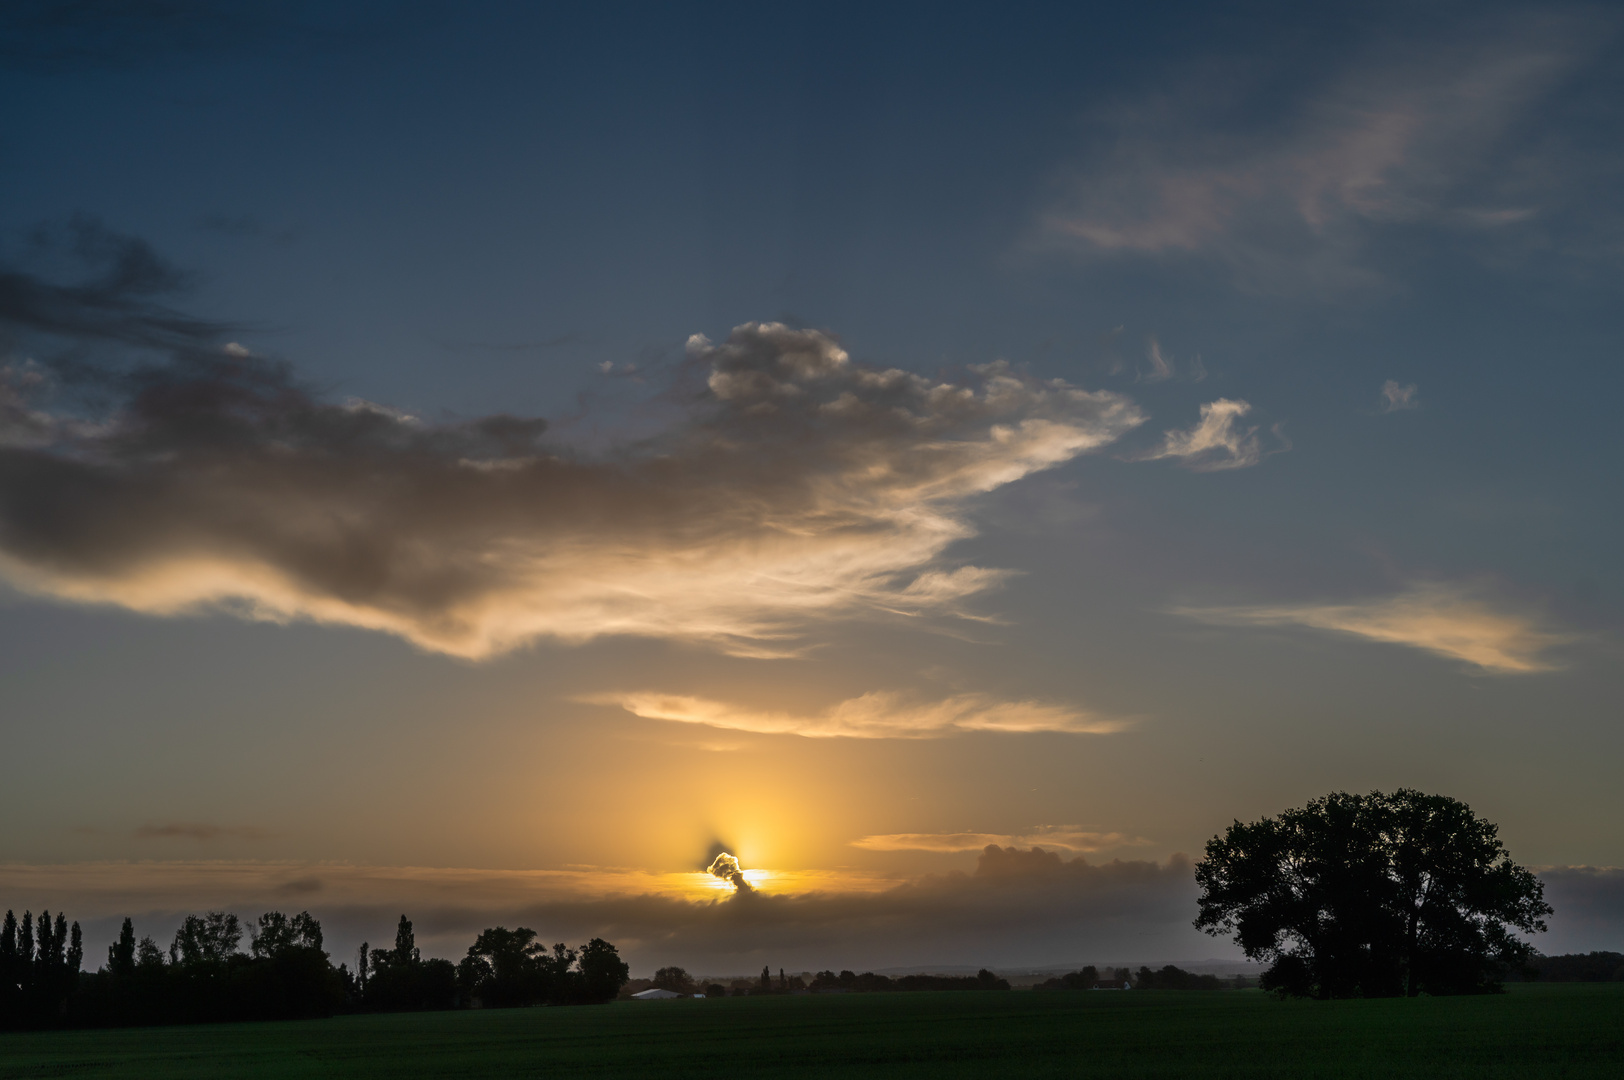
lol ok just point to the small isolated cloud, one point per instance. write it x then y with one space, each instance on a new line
1160 369
1069 837
1396 397
192 830
1441 619
876 715
1218 441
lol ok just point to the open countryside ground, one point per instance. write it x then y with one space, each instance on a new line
1534 1031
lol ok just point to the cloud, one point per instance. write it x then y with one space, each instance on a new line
1396 398
1442 619
1069 837
875 715
800 486
114 300
1217 442
1160 369
1015 907
1422 134
189 830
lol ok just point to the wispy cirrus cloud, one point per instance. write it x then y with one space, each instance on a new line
876 715
1413 134
196 830
1068 837
1446 620
800 486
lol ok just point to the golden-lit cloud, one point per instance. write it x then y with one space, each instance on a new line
875 715
1069 837
1218 440
1442 619
803 486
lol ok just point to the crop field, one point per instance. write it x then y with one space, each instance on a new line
1573 1030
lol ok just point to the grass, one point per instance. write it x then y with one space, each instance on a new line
1573 1030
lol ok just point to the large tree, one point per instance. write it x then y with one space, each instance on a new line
1372 896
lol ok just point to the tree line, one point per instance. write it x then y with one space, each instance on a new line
870 983
1571 967
205 976
1167 978
678 981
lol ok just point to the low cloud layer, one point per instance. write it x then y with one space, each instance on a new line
195 830
1067 837
877 715
802 486
1015 907
1445 620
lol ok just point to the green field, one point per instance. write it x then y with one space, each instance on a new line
1573 1030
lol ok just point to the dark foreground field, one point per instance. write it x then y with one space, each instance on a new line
1534 1031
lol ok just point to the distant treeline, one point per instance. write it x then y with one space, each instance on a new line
679 981
869 983
1168 978
1573 967
285 974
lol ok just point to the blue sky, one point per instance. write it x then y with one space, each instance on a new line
1325 495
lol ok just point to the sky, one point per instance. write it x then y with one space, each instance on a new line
485 461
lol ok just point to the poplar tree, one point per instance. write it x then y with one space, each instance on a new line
405 942
9 968
121 954
8 945
76 950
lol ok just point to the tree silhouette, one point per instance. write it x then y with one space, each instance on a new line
603 972
206 939
1371 895
405 942
275 933
674 979
147 955
502 967
121 954
400 980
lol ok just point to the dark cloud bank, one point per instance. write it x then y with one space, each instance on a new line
1016 907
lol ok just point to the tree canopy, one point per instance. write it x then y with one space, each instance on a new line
1372 896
